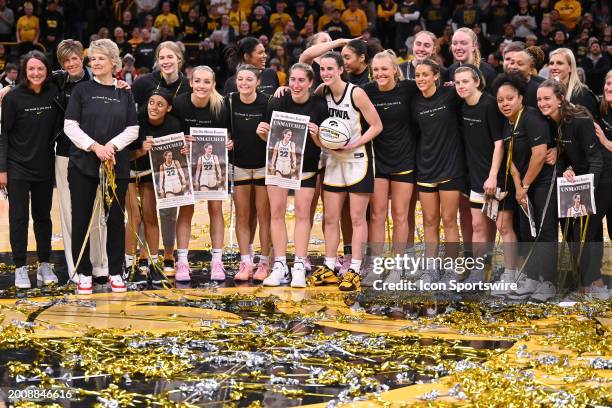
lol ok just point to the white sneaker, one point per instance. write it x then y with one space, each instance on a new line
525 288
597 292
45 274
298 276
84 286
507 276
73 276
545 291
22 280
117 283
278 276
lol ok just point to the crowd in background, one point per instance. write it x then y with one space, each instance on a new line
206 28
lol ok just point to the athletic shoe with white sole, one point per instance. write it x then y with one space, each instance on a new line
169 269
45 274
543 292
117 284
217 271
597 292
351 281
507 276
84 286
298 276
526 287
278 276
183 272
262 271
323 275
22 279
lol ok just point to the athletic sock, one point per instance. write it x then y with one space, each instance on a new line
251 252
355 265
330 263
281 259
299 259
129 260
246 258
265 259
217 255
181 254
348 249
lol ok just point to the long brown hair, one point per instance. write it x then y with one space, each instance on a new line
567 110
605 106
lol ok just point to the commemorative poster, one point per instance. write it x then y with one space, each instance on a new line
576 199
209 163
285 149
171 172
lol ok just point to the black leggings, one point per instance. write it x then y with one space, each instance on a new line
19 192
82 197
542 261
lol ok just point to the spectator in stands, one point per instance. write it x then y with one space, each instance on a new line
259 22
385 22
435 17
467 16
559 40
336 28
602 15
555 22
326 18
28 29
228 35
11 73
524 22
3 59
127 22
500 14
52 28
543 9
596 65
145 52
355 18
208 56
7 22
407 16
282 75
124 46
308 30
236 15
136 38
280 18
569 13
128 72
166 33
545 34
313 8
167 17
144 7
103 33
243 31
191 29
154 31
300 18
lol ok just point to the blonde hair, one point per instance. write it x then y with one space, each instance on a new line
215 100
605 106
175 48
68 47
109 48
390 56
433 38
574 84
476 57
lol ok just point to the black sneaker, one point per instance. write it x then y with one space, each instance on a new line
155 275
169 268
139 273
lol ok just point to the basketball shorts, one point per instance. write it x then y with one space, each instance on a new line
408 176
349 176
209 181
283 167
456 184
243 177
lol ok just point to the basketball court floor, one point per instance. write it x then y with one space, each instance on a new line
244 345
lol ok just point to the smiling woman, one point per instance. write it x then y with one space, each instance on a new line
29 126
101 121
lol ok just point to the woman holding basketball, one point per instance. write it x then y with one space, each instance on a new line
208 170
349 170
440 163
301 102
395 153
247 109
203 107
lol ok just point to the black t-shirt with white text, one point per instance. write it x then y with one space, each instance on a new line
249 148
316 108
439 147
268 83
29 125
395 146
190 115
103 112
482 126
531 130
144 54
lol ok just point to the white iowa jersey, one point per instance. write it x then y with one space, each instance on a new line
346 112
207 169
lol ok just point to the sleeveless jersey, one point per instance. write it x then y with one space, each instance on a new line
345 111
208 173
576 212
172 181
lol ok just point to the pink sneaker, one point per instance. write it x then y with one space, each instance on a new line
338 263
346 263
217 271
245 271
262 272
183 273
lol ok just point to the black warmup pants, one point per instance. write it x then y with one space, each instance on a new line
82 197
19 192
542 261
